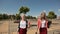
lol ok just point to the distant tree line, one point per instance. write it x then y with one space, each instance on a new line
6 16
13 17
51 15
30 17
25 9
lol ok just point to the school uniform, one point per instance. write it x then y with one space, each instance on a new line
42 25
22 27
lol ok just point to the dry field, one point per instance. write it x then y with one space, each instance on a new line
9 27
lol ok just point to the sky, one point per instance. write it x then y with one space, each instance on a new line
36 6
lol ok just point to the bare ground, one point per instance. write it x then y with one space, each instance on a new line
8 27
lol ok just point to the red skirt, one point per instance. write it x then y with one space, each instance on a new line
43 30
22 31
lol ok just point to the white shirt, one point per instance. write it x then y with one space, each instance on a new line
43 24
23 24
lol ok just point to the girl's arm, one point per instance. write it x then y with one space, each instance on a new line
28 24
38 24
46 24
18 25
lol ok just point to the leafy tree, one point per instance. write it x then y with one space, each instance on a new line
24 9
51 15
17 16
5 16
30 17
11 17
0 16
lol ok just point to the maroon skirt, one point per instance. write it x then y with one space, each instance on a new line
43 30
22 31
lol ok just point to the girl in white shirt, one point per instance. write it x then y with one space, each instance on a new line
23 24
42 24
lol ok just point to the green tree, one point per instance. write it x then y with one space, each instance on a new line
17 16
24 9
51 15
0 16
30 17
11 17
5 16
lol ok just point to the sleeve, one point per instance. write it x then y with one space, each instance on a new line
38 24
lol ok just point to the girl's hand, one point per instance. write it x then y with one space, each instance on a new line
38 31
17 32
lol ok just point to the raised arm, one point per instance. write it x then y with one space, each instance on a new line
47 24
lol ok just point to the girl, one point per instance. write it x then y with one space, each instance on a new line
23 24
42 24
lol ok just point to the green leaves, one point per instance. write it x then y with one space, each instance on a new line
24 9
52 15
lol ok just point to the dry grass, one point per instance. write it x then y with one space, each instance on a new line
4 27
